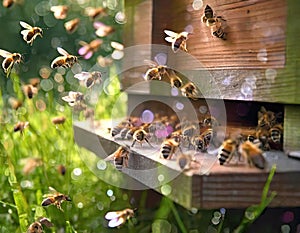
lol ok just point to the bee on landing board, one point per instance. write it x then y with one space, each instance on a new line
89 78
155 72
266 119
140 135
175 81
55 198
168 148
37 227
252 154
185 160
118 218
120 157
65 61
227 150
9 60
189 90
201 142
215 23
178 40
30 33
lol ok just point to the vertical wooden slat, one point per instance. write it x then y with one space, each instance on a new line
291 128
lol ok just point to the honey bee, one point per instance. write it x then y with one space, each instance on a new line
58 120
9 60
30 33
120 157
140 135
168 148
266 119
252 154
178 40
72 25
227 150
118 218
89 78
14 103
276 133
7 3
177 135
55 198
20 126
118 128
102 29
60 12
175 81
61 169
201 142
214 22
29 90
263 136
94 12
31 164
37 227
88 49
189 90
210 121
73 98
65 61
155 72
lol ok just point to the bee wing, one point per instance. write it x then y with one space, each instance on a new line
4 53
52 190
25 25
83 75
169 39
109 158
150 63
171 33
113 214
56 59
62 51
116 222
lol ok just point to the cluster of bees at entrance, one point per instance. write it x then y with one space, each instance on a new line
183 137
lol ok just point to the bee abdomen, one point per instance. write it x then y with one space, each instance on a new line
118 163
259 161
223 156
220 33
47 202
276 136
166 151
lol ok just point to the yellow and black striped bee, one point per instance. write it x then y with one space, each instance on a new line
227 150
65 61
201 142
189 90
168 148
30 33
55 198
140 135
120 157
214 23
263 135
9 60
178 40
155 72
252 154
89 78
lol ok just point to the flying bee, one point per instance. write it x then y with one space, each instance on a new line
93 12
155 72
178 40
14 103
55 198
168 148
20 126
74 98
29 90
72 25
189 90
89 78
102 29
201 142
9 60
252 154
58 120
118 218
37 227
214 23
88 49
30 33
140 135
60 12
120 157
227 150
65 61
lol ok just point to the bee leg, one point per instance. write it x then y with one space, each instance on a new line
148 143
133 143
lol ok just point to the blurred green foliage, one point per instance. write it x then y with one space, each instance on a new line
22 192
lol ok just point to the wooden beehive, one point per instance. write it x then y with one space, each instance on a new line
261 46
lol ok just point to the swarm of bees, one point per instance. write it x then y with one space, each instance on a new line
55 198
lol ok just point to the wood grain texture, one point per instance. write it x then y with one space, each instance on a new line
292 128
